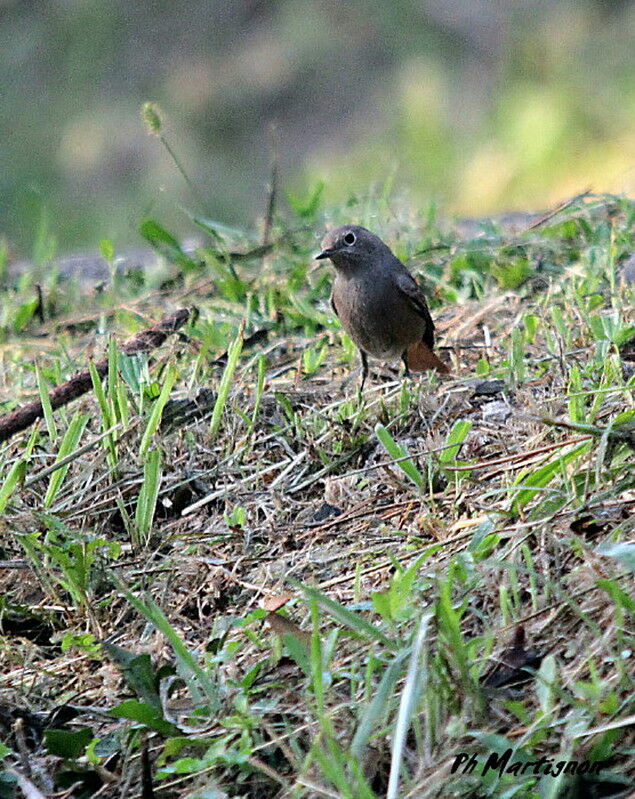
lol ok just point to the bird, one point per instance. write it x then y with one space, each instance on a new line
378 301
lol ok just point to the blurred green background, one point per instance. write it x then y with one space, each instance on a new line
479 105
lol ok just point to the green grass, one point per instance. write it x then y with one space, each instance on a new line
213 631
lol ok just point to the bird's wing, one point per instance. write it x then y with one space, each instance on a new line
411 290
333 305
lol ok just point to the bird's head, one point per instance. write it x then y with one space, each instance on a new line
350 246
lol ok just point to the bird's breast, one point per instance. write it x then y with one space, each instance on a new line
376 314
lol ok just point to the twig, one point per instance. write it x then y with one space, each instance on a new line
39 310
273 188
81 383
560 207
147 789
29 790
23 751
625 434
69 458
519 456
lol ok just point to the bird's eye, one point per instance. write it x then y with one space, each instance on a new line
349 238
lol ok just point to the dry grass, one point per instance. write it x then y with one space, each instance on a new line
292 565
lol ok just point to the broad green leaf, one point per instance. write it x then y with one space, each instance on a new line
69 744
144 714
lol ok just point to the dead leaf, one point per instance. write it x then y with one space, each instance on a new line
275 601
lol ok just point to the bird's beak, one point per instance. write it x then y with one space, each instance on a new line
324 254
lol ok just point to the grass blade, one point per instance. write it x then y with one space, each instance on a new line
157 411
147 501
46 404
345 616
233 354
407 705
397 451
14 478
67 447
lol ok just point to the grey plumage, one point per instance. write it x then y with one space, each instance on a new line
377 300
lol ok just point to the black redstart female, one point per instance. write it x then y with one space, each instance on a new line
378 302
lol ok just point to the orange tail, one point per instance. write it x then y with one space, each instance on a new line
421 358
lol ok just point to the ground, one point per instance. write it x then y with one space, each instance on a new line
248 579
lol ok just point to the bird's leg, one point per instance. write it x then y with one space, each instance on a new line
364 368
404 358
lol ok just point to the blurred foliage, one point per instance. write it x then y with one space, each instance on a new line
479 104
